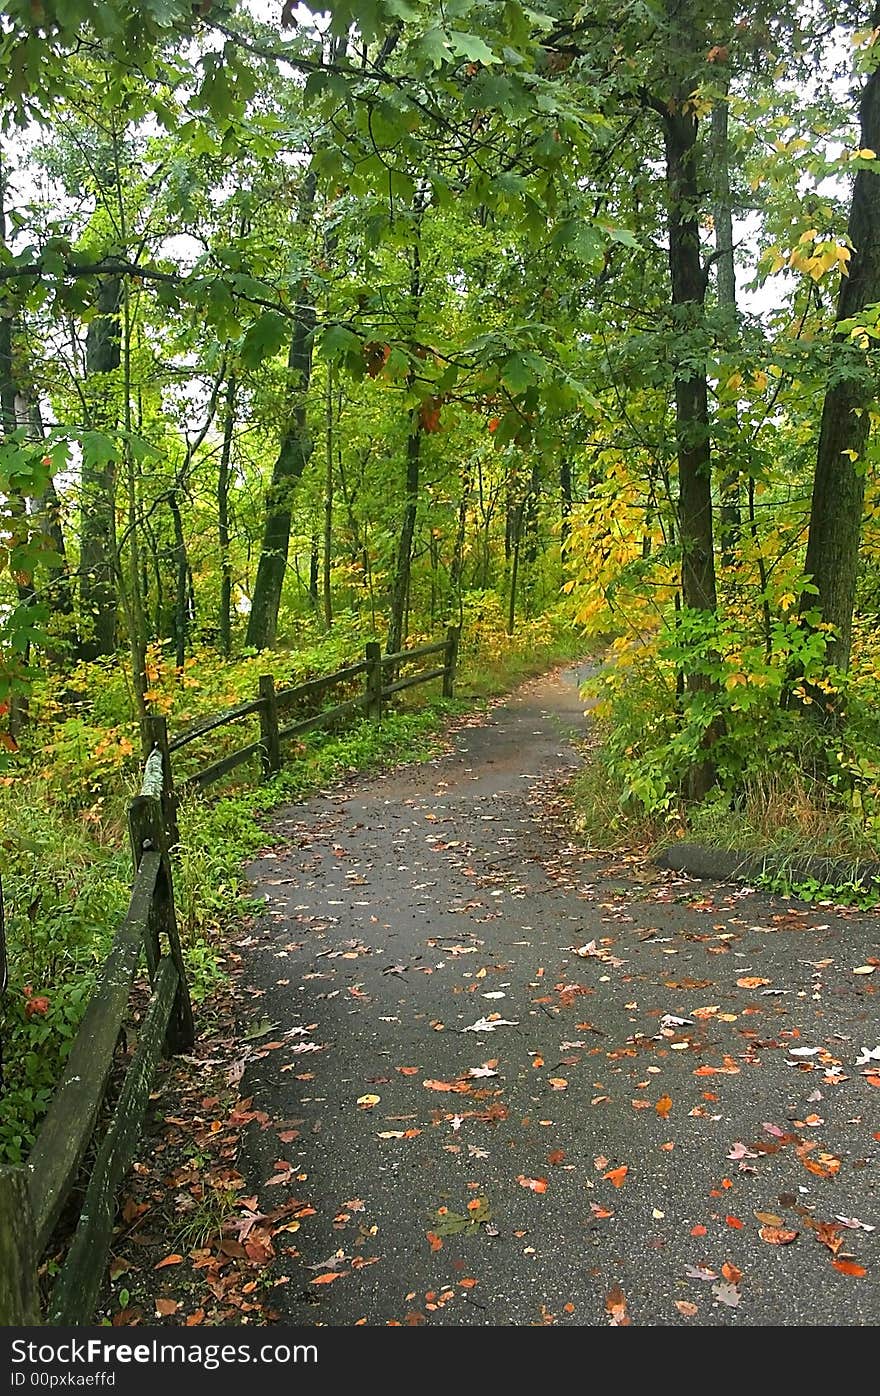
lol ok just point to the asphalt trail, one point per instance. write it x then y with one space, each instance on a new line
580 1156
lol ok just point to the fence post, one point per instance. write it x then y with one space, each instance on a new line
147 832
19 1297
450 661
374 680
271 753
158 730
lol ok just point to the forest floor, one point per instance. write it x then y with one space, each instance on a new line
492 1079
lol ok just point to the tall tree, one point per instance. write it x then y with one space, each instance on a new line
838 497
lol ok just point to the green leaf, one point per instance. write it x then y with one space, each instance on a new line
471 47
264 338
339 342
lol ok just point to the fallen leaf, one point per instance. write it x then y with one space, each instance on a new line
735 1223
663 1106
534 1184
865 969
435 1241
328 1277
727 1293
849 1267
555 1156
368 1102
558 1083
777 1235
615 1305
699 1229
731 1272
685 1307
169 1260
166 1307
769 1219
829 1235
751 982
617 1175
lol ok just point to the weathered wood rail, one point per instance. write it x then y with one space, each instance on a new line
34 1196
272 705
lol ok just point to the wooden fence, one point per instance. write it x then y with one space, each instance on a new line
33 1197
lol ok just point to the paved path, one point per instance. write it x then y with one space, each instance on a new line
512 1084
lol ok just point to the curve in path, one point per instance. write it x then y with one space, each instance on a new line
513 1084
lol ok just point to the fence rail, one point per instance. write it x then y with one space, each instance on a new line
33 1197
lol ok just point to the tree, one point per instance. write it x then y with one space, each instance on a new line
838 494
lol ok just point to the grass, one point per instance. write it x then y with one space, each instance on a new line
785 815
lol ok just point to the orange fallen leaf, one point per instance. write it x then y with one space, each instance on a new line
408 1070
435 1241
735 1223
873 1080
750 981
558 1083
462 1087
537 1061
699 1230
615 1305
467 1283
534 1184
849 1267
663 1106
777 1235
169 1260
166 1307
685 1307
193 1320
825 1166
731 1272
617 1175
329 1277
555 1156
829 1235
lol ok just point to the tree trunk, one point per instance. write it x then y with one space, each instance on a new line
291 461
59 589
99 601
691 397
565 495
839 485
327 557
730 512
400 585
181 584
223 478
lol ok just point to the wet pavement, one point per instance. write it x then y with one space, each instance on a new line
514 1083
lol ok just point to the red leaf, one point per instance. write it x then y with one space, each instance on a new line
734 1222
849 1267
